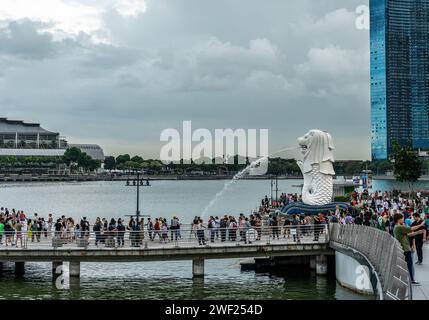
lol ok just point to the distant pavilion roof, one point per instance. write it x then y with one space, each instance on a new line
17 126
93 150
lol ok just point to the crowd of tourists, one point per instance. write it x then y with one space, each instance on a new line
404 216
283 200
17 228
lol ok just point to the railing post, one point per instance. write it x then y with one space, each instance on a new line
327 233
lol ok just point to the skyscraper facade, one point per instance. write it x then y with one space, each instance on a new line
399 35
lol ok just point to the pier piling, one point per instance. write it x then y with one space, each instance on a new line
313 263
198 268
321 265
19 269
75 269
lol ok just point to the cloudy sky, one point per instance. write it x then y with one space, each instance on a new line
118 72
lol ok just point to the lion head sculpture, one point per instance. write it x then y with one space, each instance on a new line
317 147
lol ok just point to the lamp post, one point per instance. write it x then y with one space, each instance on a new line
274 182
277 188
138 182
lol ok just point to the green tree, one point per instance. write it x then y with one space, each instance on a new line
72 155
353 168
407 166
130 165
137 159
84 161
110 163
384 166
122 159
93 165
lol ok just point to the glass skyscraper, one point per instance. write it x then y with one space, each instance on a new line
399 74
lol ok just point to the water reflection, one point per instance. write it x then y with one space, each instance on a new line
108 281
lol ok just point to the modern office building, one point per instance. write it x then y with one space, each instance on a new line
399 35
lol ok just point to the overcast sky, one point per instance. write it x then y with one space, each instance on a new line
118 72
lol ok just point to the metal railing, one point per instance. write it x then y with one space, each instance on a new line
155 239
384 253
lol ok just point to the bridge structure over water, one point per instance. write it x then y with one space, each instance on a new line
373 248
188 246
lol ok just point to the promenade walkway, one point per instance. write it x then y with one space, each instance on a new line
186 238
421 292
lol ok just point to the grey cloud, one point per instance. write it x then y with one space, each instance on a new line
22 39
283 65
108 57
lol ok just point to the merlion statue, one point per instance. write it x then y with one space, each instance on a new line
317 148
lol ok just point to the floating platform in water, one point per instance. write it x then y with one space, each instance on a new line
308 210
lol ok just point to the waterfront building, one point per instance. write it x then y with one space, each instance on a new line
399 35
23 139
19 138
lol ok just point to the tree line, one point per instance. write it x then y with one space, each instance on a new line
73 158
404 163
276 166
